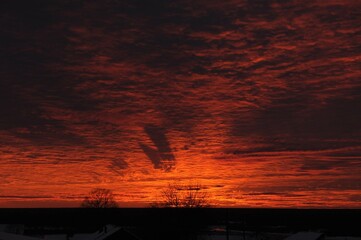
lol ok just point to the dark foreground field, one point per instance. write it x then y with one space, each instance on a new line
336 222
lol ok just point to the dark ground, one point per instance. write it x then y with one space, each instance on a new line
337 222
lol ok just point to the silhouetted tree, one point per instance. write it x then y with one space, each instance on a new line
183 196
100 198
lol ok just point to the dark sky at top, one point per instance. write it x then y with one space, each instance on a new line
260 101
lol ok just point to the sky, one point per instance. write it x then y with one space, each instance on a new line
257 101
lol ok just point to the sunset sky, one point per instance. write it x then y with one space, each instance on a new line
258 101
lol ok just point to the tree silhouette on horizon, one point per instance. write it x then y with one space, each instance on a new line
100 198
183 196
